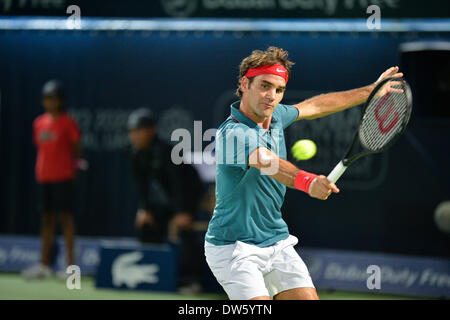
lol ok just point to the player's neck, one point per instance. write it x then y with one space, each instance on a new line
262 122
54 114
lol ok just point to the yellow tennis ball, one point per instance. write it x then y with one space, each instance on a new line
304 149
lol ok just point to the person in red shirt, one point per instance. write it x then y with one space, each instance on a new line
57 139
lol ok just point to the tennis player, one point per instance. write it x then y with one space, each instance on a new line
248 246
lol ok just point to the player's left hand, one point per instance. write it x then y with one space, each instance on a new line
389 86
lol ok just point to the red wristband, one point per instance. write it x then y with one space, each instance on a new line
303 180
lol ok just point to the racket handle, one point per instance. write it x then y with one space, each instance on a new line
337 172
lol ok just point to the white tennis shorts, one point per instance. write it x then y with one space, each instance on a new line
246 271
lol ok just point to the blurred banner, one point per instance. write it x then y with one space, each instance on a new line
358 271
124 264
230 8
99 258
387 201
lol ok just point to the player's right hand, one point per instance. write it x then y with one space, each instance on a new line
321 188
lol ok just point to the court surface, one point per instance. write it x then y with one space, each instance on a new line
14 287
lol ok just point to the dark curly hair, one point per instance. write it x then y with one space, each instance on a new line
258 58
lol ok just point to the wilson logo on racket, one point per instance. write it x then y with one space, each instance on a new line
381 119
378 118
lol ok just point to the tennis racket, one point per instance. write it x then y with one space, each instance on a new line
383 120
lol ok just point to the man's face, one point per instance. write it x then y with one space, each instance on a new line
263 94
141 138
51 104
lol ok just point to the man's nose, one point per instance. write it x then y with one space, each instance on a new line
270 94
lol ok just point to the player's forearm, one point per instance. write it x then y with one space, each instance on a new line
329 103
270 164
285 173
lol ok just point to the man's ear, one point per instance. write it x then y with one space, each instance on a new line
244 84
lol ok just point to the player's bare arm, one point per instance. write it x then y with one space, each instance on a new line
286 173
329 103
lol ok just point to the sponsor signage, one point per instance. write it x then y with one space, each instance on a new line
356 271
228 8
137 269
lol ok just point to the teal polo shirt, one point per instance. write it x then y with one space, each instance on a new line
248 203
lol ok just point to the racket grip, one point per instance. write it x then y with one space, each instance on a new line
337 172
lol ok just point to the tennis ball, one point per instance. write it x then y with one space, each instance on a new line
442 216
304 149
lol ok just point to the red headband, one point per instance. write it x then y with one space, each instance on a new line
276 69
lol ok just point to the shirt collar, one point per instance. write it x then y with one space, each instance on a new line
238 116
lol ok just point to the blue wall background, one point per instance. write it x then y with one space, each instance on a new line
387 201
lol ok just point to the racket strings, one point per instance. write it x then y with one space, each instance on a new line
376 133
383 119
